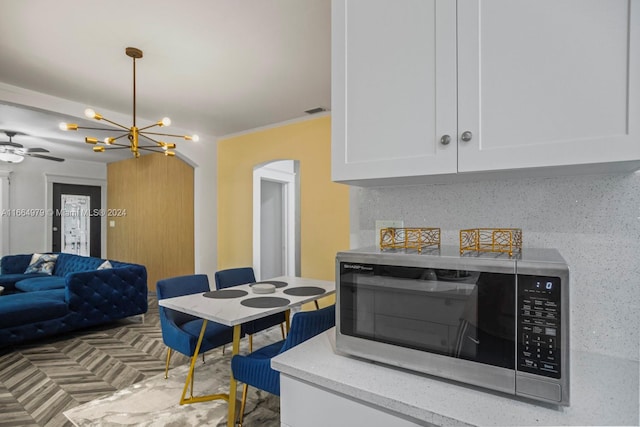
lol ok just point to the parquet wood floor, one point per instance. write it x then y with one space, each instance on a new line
41 380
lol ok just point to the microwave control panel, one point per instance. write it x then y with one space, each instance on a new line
539 325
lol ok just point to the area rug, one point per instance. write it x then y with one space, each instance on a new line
155 401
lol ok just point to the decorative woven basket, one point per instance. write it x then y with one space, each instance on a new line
505 240
409 238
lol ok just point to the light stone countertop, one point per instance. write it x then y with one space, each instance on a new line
604 390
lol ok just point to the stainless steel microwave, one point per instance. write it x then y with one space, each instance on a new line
489 320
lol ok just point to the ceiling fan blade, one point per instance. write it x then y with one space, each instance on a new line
12 144
41 156
37 150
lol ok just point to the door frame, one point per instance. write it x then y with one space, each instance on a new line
50 179
5 180
270 172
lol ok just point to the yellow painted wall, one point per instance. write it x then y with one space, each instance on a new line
324 205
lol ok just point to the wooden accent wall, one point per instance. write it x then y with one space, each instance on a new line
158 229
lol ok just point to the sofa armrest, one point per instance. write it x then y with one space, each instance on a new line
98 296
15 264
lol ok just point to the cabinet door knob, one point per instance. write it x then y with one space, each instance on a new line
466 136
445 140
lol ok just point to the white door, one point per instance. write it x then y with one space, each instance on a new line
272 229
393 88
548 82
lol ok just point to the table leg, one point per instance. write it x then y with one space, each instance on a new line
287 319
189 380
233 384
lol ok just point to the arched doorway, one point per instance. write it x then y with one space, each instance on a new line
276 219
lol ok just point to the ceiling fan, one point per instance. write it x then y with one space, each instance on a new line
12 152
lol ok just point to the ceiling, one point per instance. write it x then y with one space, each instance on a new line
215 67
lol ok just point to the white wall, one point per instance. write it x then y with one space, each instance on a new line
593 220
206 206
28 190
4 219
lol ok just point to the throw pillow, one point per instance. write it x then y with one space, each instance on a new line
105 265
41 263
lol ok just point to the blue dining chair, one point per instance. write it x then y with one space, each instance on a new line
240 276
180 331
255 369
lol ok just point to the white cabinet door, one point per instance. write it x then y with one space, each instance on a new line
303 404
548 82
393 88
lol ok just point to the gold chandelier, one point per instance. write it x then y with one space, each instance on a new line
139 138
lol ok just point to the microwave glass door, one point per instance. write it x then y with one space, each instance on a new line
462 314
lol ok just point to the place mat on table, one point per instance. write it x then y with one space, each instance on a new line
304 291
265 302
226 294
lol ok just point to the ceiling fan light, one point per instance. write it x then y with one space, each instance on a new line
11 157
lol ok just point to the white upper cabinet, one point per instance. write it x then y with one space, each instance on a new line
515 84
548 82
393 88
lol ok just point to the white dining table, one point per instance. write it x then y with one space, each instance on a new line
233 312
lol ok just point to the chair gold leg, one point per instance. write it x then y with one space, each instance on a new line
250 343
282 330
245 387
166 369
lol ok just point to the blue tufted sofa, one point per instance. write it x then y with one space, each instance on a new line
76 295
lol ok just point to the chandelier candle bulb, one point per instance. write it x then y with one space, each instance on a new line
89 140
